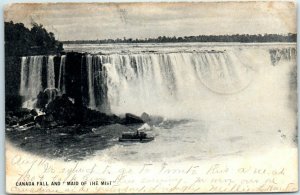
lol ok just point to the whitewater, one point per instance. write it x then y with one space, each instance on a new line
237 98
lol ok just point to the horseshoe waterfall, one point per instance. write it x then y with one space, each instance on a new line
156 83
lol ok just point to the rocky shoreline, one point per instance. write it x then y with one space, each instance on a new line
63 112
68 131
63 129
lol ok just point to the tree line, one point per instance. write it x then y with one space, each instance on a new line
243 38
20 41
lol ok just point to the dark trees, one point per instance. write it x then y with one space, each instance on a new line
243 38
21 41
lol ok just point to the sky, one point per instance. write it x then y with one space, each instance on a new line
91 21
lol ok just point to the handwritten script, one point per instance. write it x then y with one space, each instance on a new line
38 175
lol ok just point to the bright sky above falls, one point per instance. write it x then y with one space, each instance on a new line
82 21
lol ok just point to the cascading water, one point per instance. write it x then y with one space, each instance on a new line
96 83
24 76
34 76
31 78
136 83
62 72
51 90
91 82
50 73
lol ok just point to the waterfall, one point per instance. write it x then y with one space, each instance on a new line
32 79
51 90
62 72
287 54
96 83
91 81
136 82
35 75
24 76
50 73
139 82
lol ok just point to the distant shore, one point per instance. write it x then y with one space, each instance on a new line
242 38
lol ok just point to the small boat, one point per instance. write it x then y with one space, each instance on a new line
135 137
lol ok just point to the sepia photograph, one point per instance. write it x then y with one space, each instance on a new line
151 97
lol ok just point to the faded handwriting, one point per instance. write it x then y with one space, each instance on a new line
47 177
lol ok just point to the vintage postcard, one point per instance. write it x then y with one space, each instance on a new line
152 97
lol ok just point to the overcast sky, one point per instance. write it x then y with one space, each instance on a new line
142 20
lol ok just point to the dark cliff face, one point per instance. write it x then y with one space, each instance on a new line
73 76
12 83
12 75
